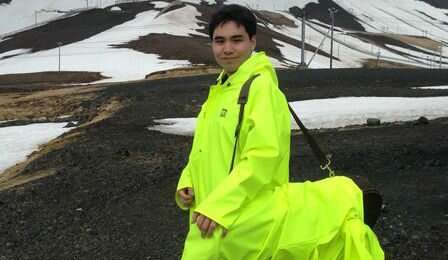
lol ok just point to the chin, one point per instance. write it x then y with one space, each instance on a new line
231 70
227 68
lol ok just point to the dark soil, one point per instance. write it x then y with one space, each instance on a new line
380 63
437 3
112 194
39 80
383 40
274 18
319 11
167 46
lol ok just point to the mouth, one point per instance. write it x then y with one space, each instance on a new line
229 58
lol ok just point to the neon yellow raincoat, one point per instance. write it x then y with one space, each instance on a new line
266 216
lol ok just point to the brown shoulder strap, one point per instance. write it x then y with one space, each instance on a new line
322 157
242 100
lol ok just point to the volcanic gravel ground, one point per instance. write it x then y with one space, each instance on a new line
112 194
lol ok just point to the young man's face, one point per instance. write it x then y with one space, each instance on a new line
231 45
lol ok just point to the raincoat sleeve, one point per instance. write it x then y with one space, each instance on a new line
259 157
185 177
184 181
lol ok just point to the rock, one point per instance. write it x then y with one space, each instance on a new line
126 153
373 121
432 163
123 152
70 124
422 121
403 233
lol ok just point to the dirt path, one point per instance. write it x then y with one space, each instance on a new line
47 104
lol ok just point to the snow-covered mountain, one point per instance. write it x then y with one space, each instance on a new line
127 40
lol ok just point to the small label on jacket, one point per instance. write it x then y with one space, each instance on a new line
223 112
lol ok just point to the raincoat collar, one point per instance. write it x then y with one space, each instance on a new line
253 64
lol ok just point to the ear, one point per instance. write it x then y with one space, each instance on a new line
254 42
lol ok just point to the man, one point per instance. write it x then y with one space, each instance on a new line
239 202
242 200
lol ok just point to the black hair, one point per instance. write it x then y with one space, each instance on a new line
236 13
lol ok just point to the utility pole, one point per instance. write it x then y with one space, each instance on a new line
302 62
378 58
332 12
59 56
339 46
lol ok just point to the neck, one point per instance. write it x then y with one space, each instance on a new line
228 73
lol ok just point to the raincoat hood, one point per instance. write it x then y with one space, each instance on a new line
257 63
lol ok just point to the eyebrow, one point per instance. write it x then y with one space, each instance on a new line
218 38
236 36
233 37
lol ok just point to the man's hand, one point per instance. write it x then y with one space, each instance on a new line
206 225
186 196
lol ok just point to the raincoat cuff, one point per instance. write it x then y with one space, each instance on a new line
217 219
179 202
184 182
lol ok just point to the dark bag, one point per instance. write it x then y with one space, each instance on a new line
372 199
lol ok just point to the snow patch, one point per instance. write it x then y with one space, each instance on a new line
432 87
160 4
20 141
119 64
14 52
24 13
339 112
6 121
175 126
345 111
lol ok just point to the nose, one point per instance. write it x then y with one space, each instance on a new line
228 48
